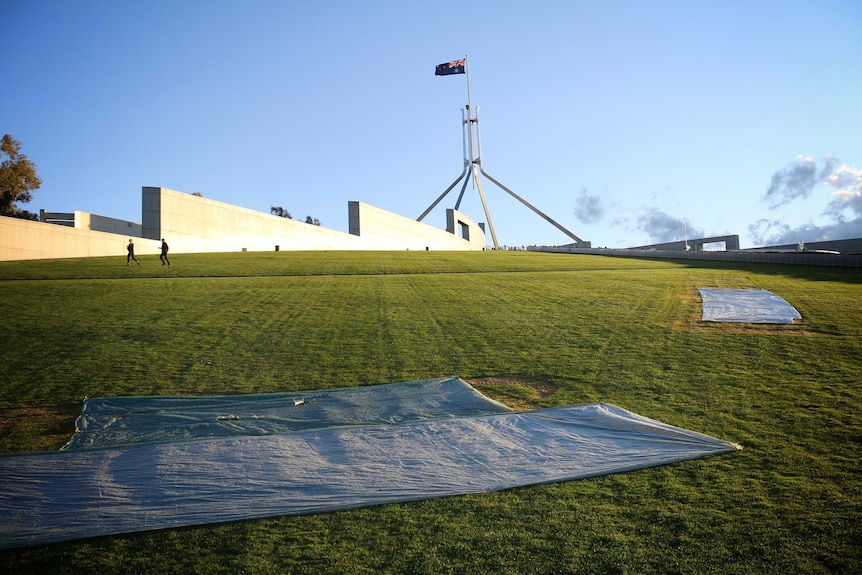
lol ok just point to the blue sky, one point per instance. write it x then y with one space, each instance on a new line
626 121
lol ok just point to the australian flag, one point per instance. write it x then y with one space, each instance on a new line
455 67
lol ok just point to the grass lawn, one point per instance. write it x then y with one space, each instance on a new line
530 329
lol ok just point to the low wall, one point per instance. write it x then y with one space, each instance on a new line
29 240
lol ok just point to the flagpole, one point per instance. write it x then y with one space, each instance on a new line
467 72
471 117
473 162
466 137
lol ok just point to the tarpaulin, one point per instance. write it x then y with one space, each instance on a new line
117 421
57 496
746 306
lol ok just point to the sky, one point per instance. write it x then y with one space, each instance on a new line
627 122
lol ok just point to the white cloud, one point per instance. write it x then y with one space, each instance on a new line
846 179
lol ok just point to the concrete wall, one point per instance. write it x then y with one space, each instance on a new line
382 230
95 223
194 224
851 246
731 243
29 240
744 256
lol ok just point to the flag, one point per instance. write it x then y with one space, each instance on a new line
455 67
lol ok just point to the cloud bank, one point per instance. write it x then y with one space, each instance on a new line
658 225
662 227
797 181
841 217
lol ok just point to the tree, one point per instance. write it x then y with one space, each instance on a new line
312 221
17 178
25 215
280 212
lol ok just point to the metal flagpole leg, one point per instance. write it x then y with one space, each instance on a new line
513 194
464 187
476 158
485 205
443 195
535 209
458 179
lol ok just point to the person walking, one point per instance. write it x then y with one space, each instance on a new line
131 249
164 254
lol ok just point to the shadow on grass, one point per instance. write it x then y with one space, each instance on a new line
812 273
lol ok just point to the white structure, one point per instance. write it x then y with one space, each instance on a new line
192 223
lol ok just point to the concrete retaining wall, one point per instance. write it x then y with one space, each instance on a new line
755 257
382 230
29 240
192 224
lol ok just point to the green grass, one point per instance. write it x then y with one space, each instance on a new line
592 328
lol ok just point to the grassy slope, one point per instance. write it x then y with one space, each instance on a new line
596 329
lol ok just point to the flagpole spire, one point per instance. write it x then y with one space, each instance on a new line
467 72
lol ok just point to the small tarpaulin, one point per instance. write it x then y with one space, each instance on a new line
746 306
58 496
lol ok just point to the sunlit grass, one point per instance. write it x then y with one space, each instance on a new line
591 328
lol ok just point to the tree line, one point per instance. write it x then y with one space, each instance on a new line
283 213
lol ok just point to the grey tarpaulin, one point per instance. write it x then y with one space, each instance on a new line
117 421
745 306
56 496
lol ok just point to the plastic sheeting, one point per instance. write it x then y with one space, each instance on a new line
746 306
56 496
117 421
